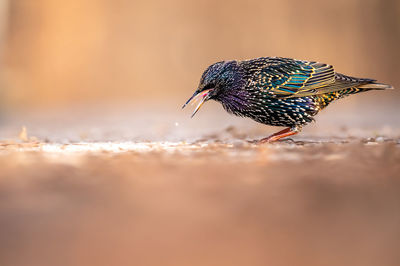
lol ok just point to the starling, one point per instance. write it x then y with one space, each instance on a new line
277 91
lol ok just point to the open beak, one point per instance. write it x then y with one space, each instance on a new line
204 95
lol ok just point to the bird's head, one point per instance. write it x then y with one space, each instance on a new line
216 81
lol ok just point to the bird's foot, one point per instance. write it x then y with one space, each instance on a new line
281 134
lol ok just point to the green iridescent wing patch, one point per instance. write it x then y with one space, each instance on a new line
290 78
286 78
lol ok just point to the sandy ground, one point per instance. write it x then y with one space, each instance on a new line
96 195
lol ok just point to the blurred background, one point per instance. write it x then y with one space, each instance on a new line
131 64
83 52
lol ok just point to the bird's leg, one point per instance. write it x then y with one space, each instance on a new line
281 134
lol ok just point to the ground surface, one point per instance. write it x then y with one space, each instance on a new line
95 195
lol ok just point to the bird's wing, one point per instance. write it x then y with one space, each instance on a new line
286 78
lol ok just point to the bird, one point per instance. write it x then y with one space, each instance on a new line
277 91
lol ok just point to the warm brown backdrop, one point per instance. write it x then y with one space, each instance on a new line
60 53
108 170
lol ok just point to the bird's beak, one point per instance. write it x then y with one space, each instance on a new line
204 95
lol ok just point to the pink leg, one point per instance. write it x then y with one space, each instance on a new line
281 134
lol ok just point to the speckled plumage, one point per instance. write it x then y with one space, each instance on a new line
278 91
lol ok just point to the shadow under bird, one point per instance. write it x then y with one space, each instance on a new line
277 91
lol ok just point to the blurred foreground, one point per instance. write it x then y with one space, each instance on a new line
201 204
110 192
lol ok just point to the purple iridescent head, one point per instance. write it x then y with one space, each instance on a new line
219 82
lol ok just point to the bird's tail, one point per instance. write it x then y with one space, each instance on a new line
375 86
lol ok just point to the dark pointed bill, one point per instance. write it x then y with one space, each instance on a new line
195 97
190 99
